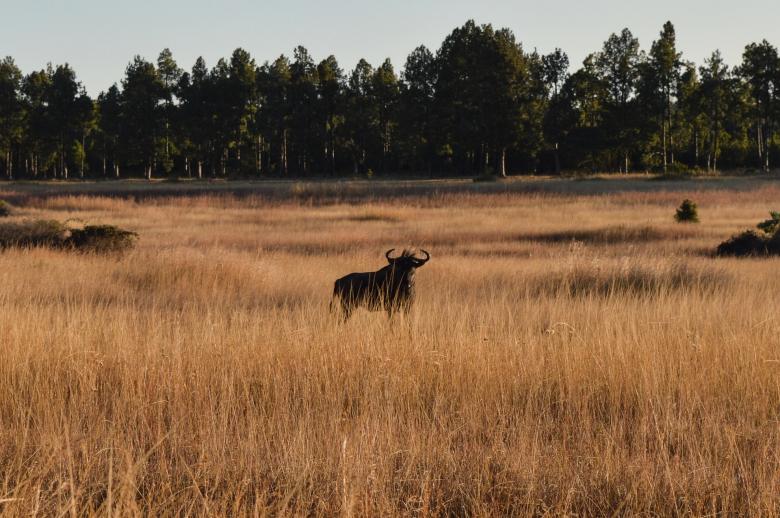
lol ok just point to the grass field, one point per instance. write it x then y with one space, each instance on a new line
572 350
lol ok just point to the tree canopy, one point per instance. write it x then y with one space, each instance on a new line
481 103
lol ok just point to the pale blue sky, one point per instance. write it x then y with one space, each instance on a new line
99 37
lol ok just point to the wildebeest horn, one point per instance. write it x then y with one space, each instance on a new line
387 254
423 261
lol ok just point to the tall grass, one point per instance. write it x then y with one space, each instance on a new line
202 373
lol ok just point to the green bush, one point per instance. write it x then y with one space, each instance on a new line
5 209
687 212
770 226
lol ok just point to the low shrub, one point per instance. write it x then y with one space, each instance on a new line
773 244
101 239
53 234
748 243
687 212
42 232
5 209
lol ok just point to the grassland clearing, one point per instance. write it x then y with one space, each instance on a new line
572 350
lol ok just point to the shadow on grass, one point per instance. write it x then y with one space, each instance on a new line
611 235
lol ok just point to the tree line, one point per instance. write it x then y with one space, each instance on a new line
481 104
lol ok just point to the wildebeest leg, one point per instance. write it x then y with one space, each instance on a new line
346 311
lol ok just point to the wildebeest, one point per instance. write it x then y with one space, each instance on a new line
390 289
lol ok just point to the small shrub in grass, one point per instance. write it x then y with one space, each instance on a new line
101 239
687 212
5 209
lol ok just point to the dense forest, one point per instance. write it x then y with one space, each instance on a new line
481 104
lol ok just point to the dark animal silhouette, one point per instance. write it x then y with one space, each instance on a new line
390 289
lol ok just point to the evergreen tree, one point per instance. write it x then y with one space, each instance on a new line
618 67
109 108
715 97
39 140
385 94
303 107
665 63
274 115
330 80
195 117
143 118
555 68
416 109
11 113
170 76
242 107
761 70
69 114
691 114
362 119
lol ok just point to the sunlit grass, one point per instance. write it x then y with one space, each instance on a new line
574 354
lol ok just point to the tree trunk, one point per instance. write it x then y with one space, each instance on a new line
716 149
259 156
767 143
83 152
671 133
284 153
502 163
663 138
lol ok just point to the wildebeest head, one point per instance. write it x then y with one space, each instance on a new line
407 260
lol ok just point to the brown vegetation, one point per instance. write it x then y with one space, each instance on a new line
613 368
53 234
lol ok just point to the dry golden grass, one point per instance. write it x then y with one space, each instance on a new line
570 352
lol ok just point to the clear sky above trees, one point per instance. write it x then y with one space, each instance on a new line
98 37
